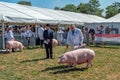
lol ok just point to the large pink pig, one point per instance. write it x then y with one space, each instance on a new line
14 45
78 56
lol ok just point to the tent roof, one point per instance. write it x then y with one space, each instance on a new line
11 15
23 12
10 12
68 16
115 18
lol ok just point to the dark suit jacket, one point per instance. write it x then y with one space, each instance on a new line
46 36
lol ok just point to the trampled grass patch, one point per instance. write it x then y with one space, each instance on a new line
31 65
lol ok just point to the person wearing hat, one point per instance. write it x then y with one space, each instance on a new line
10 35
48 36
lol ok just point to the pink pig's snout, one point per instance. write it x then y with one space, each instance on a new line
59 61
62 59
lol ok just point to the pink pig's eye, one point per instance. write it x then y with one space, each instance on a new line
63 59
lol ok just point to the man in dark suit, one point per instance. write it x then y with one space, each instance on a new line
48 36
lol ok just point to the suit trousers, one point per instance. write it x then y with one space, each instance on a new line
49 53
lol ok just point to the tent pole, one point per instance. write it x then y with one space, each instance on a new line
36 31
3 31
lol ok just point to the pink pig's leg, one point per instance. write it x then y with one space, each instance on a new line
6 49
70 64
74 65
89 63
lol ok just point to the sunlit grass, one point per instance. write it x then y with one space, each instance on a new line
31 65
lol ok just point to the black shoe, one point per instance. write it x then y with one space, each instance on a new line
13 50
46 58
52 58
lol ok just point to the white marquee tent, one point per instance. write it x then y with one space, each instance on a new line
115 21
15 13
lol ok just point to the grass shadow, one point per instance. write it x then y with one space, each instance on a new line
31 48
7 52
63 69
33 60
54 68
68 70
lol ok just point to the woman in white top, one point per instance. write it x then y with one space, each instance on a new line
60 35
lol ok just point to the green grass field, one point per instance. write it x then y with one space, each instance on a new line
30 65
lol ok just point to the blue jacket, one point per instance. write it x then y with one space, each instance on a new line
48 34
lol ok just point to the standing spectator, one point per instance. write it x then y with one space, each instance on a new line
10 35
48 36
107 30
40 34
101 31
28 34
60 35
32 27
75 37
86 32
22 32
66 32
92 35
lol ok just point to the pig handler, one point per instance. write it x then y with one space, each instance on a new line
10 35
74 37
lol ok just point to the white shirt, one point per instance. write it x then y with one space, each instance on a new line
60 35
9 35
40 33
76 38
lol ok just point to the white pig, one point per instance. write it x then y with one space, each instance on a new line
14 45
55 42
78 56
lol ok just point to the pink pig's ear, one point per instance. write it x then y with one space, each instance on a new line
61 56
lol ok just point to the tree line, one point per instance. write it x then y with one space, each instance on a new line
92 7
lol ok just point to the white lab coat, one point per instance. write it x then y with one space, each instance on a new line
75 39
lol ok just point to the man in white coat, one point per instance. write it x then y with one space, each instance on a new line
75 37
